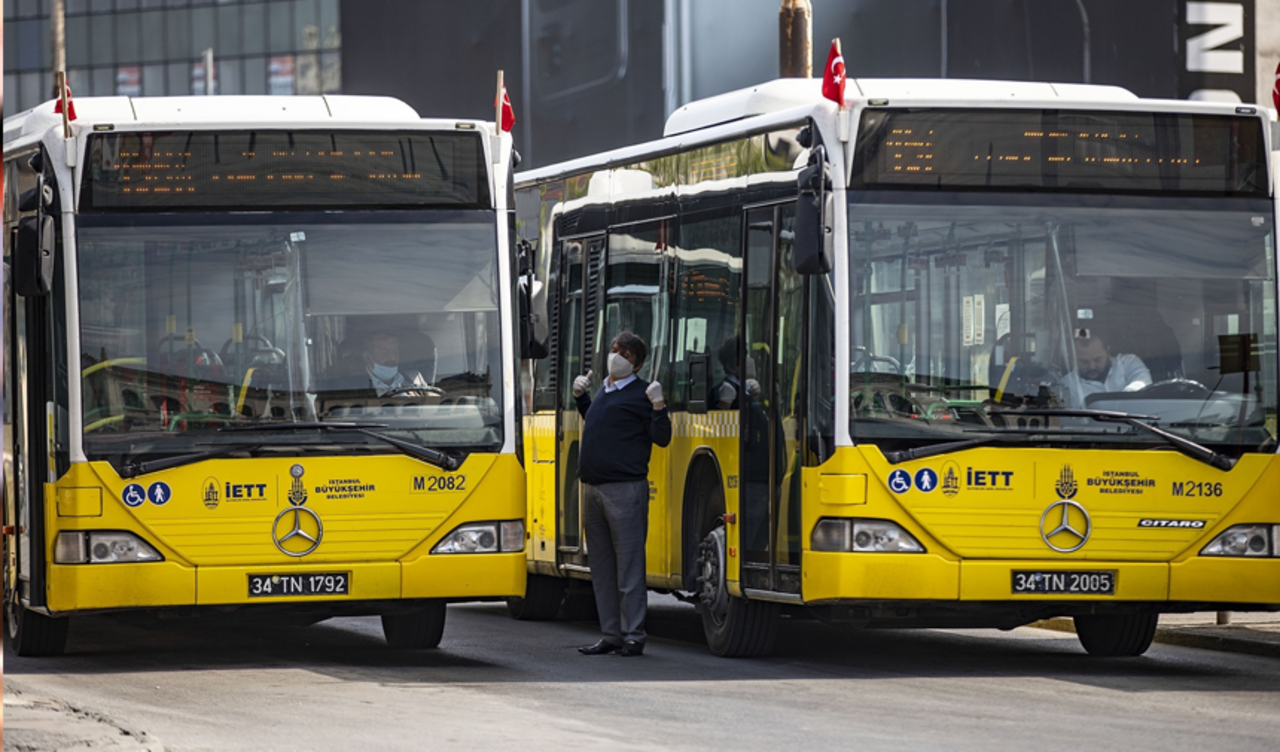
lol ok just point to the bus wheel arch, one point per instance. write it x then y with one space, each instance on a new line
701 511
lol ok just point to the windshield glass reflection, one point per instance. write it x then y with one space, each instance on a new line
193 324
1131 305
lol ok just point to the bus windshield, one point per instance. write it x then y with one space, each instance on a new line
191 323
968 308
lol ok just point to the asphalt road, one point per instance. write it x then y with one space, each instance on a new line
229 684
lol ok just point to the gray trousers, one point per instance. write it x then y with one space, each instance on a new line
615 518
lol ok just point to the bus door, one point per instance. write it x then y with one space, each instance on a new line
773 318
31 366
579 274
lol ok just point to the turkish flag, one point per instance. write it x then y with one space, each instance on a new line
508 114
833 74
1275 89
71 106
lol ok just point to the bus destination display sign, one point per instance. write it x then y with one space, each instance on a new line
282 169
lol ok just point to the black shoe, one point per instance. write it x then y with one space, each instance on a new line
631 648
600 648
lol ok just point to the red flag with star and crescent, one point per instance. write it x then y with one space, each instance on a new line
1275 89
833 75
508 114
71 106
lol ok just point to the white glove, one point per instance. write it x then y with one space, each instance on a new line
654 393
581 384
727 394
753 387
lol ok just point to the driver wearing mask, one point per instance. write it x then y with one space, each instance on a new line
382 361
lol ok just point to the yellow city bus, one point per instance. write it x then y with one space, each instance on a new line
259 354
955 353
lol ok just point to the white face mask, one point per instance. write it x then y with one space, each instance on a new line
384 373
619 367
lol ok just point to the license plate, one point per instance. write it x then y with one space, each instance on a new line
286 585
1071 583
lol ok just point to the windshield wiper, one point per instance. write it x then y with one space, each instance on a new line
1184 445
426 454
932 450
134 469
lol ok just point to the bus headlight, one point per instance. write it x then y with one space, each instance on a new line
863 536
483 538
102 547
1245 540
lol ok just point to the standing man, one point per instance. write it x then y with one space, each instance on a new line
620 426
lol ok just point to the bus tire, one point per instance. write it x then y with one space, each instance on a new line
419 629
735 627
1116 635
34 635
579 603
542 597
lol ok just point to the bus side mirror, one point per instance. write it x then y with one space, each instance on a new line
533 307
34 244
812 251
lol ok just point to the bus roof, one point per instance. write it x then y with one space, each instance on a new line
787 93
283 111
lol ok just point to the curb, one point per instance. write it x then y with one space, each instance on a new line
1226 639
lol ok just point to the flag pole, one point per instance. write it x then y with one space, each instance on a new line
497 106
60 80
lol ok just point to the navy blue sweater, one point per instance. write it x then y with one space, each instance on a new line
618 430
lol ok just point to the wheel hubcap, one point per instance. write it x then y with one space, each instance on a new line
713 596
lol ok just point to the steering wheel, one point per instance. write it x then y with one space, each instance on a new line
408 389
1175 388
866 361
205 359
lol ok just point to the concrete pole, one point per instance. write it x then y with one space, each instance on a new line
795 39
208 71
58 19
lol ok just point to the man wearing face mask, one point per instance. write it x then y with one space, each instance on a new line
626 418
382 361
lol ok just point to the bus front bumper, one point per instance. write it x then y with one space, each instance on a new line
833 577
88 587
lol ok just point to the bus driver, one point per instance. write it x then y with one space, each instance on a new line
382 362
1097 370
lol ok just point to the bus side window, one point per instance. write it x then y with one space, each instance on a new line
708 283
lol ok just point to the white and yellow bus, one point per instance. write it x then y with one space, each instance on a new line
197 292
879 328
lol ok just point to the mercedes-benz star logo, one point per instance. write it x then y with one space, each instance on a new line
303 536
1074 526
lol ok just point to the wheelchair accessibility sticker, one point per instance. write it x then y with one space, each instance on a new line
133 495
899 481
158 492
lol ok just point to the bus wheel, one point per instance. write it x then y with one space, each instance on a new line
417 629
33 635
735 627
1114 635
541 601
